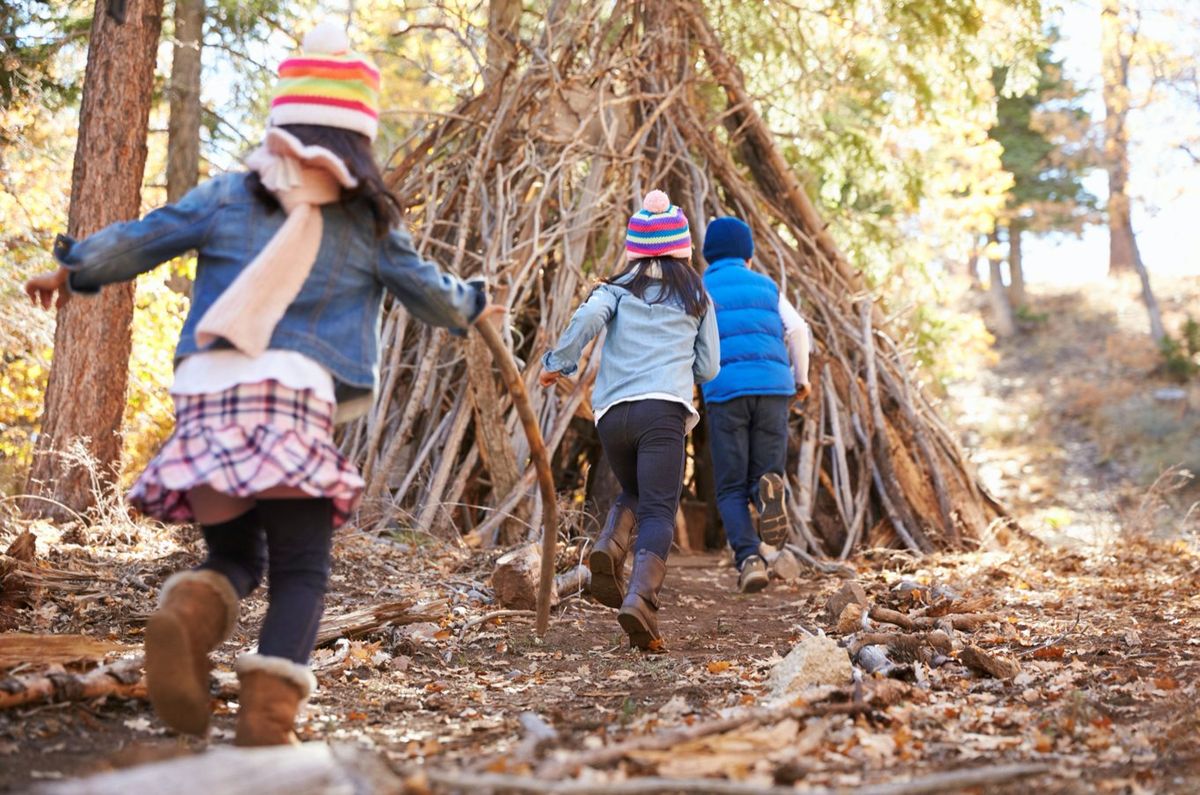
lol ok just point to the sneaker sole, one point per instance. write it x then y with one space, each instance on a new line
604 586
773 521
170 680
755 584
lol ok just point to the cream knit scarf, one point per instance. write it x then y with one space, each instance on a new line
302 178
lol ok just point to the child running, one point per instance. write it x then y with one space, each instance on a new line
294 259
662 340
764 365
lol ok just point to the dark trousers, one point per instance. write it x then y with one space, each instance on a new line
748 437
643 442
290 540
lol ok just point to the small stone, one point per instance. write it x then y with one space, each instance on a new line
1170 394
784 566
850 621
816 660
848 593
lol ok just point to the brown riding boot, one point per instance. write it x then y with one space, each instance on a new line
607 560
197 611
639 611
272 691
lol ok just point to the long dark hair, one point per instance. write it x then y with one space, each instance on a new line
355 149
680 284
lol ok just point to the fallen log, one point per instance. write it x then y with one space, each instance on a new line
357 623
18 648
309 769
122 679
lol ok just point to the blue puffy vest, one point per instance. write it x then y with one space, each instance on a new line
754 357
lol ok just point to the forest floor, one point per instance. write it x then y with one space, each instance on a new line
1102 622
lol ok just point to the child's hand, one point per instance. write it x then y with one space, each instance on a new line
41 289
802 392
490 311
548 378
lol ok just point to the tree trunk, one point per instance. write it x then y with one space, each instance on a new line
973 263
1002 314
1122 251
183 129
1157 330
85 398
183 136
1016 266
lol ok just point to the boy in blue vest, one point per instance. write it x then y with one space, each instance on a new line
764 366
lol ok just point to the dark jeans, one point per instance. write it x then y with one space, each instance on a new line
748 436
291 540
643 442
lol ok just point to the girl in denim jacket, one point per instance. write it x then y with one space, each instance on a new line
661 340
294 258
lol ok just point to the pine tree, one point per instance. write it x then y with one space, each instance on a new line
85 399
1047 150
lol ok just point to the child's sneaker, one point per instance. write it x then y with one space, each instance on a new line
772 513
753 577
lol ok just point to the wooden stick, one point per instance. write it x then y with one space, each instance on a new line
949 781
541 460
961 621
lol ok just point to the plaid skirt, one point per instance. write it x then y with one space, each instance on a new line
243 441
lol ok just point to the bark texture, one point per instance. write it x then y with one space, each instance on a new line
183 135
85 398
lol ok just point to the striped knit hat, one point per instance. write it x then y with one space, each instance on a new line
328 84
659 229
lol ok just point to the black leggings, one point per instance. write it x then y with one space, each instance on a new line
643 442
290 539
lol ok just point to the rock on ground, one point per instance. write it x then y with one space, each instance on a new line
816 660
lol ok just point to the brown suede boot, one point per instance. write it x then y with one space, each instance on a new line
272 691
639 611
607 560
197 611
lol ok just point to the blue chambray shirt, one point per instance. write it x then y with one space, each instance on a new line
649 348
334 320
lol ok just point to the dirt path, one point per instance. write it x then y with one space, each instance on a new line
1109 646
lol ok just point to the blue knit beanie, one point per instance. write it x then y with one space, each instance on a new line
728 237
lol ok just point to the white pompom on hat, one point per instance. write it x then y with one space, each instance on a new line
328 84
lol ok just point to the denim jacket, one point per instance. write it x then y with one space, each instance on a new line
650 348
334 320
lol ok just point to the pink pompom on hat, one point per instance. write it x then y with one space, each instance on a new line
659 229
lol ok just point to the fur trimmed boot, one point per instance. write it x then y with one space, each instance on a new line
607 560
273 689
197 611
639 611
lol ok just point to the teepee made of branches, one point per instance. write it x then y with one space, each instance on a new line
530 184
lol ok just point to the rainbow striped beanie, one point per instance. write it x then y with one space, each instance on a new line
328 84
659 229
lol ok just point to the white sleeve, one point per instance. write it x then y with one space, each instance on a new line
795 335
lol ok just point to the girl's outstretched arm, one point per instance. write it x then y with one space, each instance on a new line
432 296
585 324
708 348
121 251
